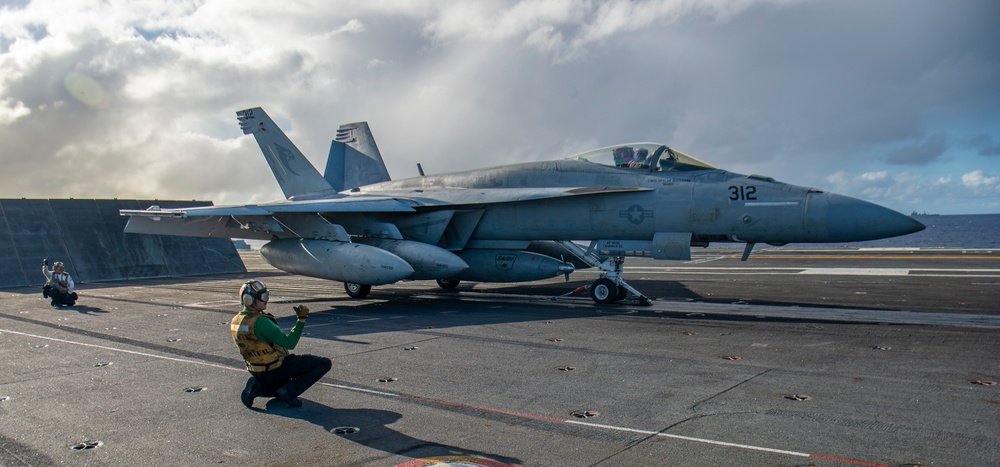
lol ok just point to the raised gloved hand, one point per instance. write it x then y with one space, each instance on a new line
301 311
45 262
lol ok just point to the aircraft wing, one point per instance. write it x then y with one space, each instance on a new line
257 221
358 204
335 218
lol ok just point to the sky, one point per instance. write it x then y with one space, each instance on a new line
892 101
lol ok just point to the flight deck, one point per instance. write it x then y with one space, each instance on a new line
823 357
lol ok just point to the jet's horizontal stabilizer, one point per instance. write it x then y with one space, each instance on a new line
296 176
354 158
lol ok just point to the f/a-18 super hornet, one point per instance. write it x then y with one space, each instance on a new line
511 223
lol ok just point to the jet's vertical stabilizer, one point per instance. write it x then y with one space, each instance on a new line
294 173
354 158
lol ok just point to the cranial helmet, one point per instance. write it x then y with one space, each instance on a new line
252 291
57 264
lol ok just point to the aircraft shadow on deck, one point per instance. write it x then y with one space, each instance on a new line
425 309
659 289
436 311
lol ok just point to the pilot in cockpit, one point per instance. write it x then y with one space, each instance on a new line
623 156
639 160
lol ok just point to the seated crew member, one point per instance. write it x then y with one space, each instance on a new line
623 156
640 159
58 284
274 372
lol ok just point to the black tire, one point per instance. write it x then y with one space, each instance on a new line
603 291
448 283
357 290
622 293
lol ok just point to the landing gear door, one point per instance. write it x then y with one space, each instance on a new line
672 245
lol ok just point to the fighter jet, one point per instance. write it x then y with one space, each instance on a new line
512 223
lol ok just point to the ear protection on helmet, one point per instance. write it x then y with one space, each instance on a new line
251 291
247 299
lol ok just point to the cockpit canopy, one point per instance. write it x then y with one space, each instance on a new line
653 157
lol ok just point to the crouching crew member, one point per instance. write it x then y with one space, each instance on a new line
58 284
274 372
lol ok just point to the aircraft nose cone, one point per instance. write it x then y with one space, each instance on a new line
854 220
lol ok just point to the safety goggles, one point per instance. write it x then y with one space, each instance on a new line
263 296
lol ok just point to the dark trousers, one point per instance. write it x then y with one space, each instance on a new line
296 374
57 297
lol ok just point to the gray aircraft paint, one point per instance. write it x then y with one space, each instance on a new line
659 204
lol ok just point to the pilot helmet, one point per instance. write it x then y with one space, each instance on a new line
253 290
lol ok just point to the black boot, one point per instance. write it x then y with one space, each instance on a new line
287 398
249 393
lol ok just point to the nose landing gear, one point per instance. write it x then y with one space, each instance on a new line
610 287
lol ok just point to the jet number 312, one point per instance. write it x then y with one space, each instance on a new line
744 193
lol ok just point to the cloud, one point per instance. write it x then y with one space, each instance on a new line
839 178
11 111
985 144
909 191
946 180
920 153
874 177
354 26
979 179
459 86
566 29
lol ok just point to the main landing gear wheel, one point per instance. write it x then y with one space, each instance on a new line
357 290
448 283
604 290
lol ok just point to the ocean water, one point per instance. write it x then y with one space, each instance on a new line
958 231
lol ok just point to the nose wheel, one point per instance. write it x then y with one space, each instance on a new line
604 290
610 287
